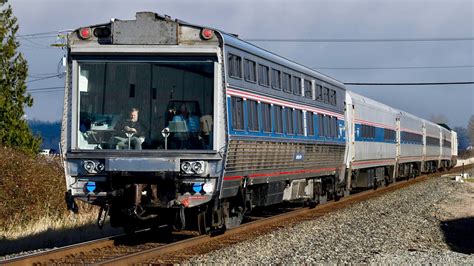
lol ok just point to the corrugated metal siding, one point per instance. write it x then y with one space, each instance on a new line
256 156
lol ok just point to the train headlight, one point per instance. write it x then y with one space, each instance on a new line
198 167
186 167
93 167
99 167
89 166
193 167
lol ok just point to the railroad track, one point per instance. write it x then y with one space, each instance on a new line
120 251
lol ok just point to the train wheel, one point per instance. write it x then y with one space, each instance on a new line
202 223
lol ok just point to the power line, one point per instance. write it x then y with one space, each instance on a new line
37 34
398 67
59 75
45 89
363 40
409 83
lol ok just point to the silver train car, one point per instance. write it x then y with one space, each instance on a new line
167 122
385 144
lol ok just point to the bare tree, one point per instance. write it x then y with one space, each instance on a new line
470 130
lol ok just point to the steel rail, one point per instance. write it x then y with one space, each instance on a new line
277 221
58 253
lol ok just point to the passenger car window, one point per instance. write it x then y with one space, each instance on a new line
276 79
308 91
252 115
250 70
266 117
278 116
286 82
263 75
296 85
237 106
235 66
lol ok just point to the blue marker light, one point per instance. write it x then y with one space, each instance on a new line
197 187
90 186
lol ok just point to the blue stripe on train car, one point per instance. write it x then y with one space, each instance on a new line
284 136
379 135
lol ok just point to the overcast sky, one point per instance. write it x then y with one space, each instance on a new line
357 19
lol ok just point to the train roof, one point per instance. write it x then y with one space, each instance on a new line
227 39
372 102
232 40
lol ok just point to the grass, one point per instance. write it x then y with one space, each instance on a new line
33 212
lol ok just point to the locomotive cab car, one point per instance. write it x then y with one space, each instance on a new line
141 135
166 122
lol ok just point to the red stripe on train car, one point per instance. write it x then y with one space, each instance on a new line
281 173
234 92
373 162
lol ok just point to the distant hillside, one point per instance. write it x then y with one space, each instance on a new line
50 132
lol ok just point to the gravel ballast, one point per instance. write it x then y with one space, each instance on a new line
406 226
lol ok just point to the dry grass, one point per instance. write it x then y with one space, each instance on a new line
33 213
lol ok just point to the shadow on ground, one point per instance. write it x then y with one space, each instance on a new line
55 238
459 234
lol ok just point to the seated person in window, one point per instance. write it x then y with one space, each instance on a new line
206 130
132 132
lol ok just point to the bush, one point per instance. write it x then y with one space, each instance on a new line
30 187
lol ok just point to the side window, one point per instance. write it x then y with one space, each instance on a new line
250 70
333 127
308 91
297 85
332 97
263 75
321 125
237 106
252 115
388 134
326 126
319 93
310 123
289 121
278 119
286 82
326 94
276 79
235 66
368 132
299 122
266 117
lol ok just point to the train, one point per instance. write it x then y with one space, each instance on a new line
171 123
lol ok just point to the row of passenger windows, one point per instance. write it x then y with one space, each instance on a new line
368 132
411 137
278 80
431 141
294 119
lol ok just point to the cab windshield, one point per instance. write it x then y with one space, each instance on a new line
146 105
